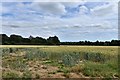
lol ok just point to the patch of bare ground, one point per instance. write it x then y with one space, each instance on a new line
57 75
39 70
74 75
11 70
18 54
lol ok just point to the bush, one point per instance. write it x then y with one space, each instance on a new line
68 60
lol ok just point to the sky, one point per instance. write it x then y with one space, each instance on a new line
70 21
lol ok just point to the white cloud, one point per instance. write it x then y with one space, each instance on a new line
105 9
16 0
101 0
59 0
50 8
102 11
72 4
50 23
83 10
76 0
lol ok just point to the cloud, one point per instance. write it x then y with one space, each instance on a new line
49 19
73 4
17 0
104 10
83 10
12 26
101 11
104 26
50 8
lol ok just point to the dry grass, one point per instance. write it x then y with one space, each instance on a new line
53 61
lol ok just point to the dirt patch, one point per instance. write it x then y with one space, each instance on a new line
57 75
52 68
74 75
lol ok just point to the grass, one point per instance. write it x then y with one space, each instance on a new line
91 61
104 70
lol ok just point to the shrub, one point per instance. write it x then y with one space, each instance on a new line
68 60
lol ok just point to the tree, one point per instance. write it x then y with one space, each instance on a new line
38 40
16 39
19 40
4 39
53 40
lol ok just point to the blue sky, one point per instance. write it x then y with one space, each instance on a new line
70 21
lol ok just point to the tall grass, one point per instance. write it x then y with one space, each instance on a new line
101 62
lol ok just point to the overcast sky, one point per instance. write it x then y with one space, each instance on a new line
70 21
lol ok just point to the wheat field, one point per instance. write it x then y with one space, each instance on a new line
23 61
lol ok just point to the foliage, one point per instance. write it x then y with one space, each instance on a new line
19 40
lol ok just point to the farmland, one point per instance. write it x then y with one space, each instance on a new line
59 61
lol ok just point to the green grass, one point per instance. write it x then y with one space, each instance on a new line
109 69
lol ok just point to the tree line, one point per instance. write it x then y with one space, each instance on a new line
19 40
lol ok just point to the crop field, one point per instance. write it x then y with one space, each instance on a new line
59 61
